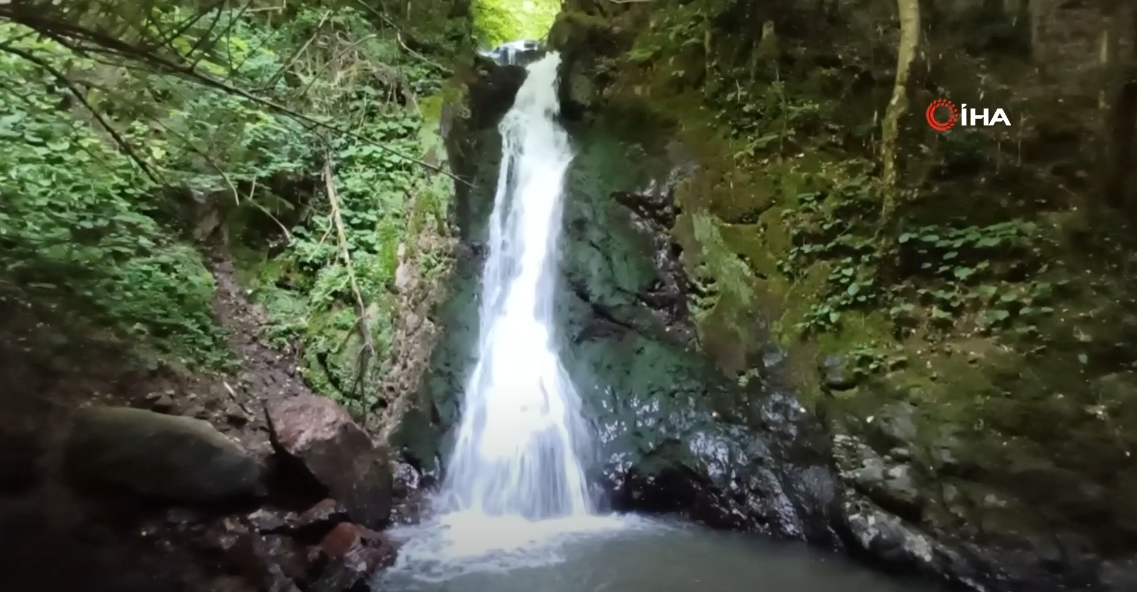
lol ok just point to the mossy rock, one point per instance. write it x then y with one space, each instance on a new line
1016 439
174 459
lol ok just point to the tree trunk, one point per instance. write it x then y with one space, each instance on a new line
1121 121
909 11
1038 10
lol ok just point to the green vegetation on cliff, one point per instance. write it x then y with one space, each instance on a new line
141 141
967 285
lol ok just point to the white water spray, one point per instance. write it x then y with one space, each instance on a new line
521 436
515 493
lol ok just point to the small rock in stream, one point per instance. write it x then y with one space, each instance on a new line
348 555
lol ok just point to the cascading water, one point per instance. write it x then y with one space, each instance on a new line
520 52
515 488
515 515
521 436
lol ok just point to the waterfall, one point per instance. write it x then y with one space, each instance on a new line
515 491
521 439
514 52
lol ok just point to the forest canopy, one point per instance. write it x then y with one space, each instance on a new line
498 21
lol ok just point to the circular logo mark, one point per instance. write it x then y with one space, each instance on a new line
942 126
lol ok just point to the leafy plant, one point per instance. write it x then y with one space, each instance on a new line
112 174
78 228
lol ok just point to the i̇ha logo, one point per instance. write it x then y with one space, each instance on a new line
942 115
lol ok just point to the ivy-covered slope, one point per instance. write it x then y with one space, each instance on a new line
964 334
304 143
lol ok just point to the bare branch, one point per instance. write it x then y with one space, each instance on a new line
367 352
83 40
299 52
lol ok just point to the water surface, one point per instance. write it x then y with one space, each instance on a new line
619 554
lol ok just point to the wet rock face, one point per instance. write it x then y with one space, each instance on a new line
674 433
997 475
492 94
337 452
176 459
913 500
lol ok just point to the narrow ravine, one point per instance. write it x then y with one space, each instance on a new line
515 510
686 295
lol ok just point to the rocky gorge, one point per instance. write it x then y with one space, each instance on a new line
946 390
919 443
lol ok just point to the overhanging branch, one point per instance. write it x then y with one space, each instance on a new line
85 41
80 96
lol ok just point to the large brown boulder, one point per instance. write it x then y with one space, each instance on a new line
337 452
176 459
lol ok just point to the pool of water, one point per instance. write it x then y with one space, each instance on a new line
618 554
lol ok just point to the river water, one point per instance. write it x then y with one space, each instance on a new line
514 512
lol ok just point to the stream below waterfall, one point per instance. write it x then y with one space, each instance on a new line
515 513
626 554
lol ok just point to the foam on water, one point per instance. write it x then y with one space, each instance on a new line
510 52
463 543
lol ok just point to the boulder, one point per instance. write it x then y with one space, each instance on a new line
337 452
348 555
494 91
176 459
310 524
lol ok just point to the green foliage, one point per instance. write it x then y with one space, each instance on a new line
930 278
383 198
764 121
78 225
936 276
986 270
498 21
873 360
680 27
103 201
670 30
